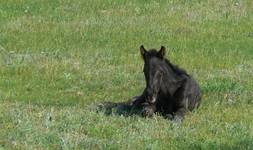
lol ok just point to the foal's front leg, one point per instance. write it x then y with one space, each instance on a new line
137 101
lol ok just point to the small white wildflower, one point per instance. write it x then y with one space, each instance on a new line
26 10
67 75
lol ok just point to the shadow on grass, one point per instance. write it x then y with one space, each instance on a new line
125 109
122 109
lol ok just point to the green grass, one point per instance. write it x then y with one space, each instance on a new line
58 59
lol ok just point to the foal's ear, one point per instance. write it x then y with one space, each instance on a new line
143 51
162 52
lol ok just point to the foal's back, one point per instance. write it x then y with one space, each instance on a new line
186 90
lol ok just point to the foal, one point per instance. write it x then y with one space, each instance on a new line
169 89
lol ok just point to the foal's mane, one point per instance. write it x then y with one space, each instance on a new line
175 68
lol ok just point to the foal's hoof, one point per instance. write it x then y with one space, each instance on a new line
178 119
148 112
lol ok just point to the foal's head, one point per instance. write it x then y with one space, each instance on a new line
153 70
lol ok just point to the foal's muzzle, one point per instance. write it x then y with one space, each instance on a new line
154 88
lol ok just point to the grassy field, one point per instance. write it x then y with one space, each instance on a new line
60 58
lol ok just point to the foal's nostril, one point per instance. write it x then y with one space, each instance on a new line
149 91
